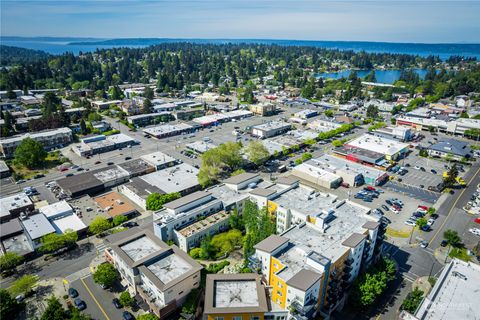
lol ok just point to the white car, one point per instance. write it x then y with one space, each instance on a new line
430 222
474 231
410 223
394 210
417 168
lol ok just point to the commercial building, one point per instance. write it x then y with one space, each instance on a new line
136 167
397 133
217 118
454 295
270 129
169 130
457 126
36 226
241 181
235 296
49 139
310 264
200 146
263 109
99 144
450 148
4 170
15 205
391 149
352 173
161 275
115 205
159 160
316 175
189 114
142 120
13 238
321 125
62 217
306 113
180 178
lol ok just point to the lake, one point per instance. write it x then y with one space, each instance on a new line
383 76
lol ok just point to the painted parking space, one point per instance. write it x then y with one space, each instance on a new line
413 191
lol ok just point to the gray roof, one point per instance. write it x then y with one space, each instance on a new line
287 180
37 226
456 147
271 243
186 200
262 192
80 182
240 178
354 240
371 225
11 227
304 279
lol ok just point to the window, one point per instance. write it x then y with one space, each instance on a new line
218 318
195 283
195 276
254 318
279 293
180 292
237 318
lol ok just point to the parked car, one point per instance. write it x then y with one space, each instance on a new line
410 223
417 167
110 163
130 224
80 304
127 316
424 244
98 162
385 207
474 231
128 158
72 293
117 303
433 171
443 243
430 222
69 175
394 210
425 228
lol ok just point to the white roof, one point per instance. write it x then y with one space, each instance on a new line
56 209
378 144
69 222
157 158
173 179
37 226
16 201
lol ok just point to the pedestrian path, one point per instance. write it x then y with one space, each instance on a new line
78 275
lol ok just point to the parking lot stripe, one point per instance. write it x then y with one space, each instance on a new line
95 299
453 207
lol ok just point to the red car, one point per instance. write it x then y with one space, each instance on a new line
370 188
63 169
397 207
423 207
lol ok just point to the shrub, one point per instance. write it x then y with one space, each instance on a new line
195 253
216 267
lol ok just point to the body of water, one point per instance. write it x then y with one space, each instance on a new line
382 76
61 45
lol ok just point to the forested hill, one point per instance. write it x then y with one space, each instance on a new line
14 55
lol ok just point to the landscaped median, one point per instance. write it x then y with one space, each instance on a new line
398 233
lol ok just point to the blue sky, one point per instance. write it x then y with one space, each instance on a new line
378 20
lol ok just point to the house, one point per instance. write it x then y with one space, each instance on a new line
450 148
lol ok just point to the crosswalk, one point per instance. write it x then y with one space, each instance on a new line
100 247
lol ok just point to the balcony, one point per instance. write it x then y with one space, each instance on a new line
148 297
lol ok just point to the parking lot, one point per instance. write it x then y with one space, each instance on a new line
413 191
98 301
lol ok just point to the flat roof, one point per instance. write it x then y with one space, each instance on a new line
110 173
354 240
455 294
240 178
37 226
36 135
167 129
186 199
272 125
333 163
271 243
361 154
55 209
304 279
200 146
203 224
69 222
169 267
136 166
18 244
158 158
11 227
177 178
139 248
142 188
378 144
80 182
310 169
235 293
114 204
16 201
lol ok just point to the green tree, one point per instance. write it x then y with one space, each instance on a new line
235 220
452 174
54 310
106 275
217 161
118 220
372 111
94 117
452 238
50 103
9 307
206 247
99 224
52 242
421 222
30 153
7 128
337 143
329 113
464 115
148 93
9 261
257 153
126 299
190 305
423 153
413 300
156 201
147 106
116 93
248 96
23 285
306 156
83 127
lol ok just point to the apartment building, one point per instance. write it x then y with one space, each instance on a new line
310 265
235 297
161 275
263 109
49 139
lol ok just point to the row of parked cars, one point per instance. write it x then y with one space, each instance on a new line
368 193
420 213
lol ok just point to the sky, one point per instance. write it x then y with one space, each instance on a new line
427 21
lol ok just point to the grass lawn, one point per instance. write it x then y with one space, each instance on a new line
397 234
52 160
